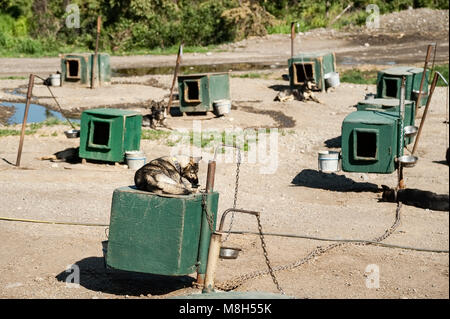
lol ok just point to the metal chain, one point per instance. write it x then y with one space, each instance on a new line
209 216
266 256
236 187
239 280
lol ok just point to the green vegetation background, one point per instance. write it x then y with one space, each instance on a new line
38 27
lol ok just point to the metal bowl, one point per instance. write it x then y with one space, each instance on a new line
408 160
72 133
229 252
410 130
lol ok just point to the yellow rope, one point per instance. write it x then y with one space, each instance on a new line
50 222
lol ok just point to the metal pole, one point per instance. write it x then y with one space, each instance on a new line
210 176
205 231
423 77
401 182
213 258
94 63
433 86
175 74
25 116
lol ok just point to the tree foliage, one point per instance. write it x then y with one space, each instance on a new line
149 24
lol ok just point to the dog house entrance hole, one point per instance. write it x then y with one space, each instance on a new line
366 145
73 68
304 72
391 87
192 91
100 133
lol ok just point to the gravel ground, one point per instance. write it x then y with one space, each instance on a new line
294 199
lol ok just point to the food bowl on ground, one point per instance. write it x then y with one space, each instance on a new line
72 133
410 130
408 160
229 252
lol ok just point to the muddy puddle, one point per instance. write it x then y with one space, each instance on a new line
226 67
12 113
204 68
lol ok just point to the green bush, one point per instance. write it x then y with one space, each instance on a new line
37 27
29 46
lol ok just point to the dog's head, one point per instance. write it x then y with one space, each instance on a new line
190 170
388 194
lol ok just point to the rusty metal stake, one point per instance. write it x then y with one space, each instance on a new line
209 189
401 182
25 116
213 258
175 74
292 38
94 63
430 47
433 86
210 176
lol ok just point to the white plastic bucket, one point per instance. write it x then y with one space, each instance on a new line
55 79
329 161
135 159
221 107
332 79
370 96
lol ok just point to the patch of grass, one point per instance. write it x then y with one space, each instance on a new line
357 76
286 132
32 128
13 77
10 132
249 76
27 47
210 139
443 70
154 135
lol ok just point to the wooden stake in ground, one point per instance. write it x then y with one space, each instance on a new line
292 38
175 74
427 58
94 62
424 116
24 122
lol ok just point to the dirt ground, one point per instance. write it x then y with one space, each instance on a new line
295 199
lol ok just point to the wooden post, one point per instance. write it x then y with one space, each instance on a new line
175 74
213 260
401 181
430 47
292 38
433 86
94 63
25 116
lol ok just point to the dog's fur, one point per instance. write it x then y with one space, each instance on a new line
157 116
169 175
417 197
69 155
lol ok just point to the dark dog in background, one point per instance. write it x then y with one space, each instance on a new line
417 198
157 116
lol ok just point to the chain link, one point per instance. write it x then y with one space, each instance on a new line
236 187
266 256
239 280
209 216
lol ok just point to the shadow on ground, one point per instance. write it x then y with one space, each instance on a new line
279 87
335 142
94 276
332 182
